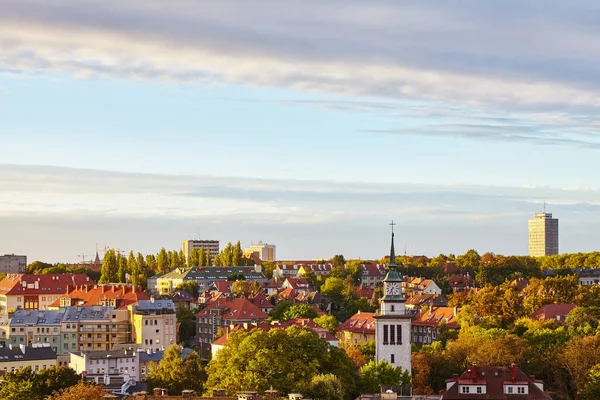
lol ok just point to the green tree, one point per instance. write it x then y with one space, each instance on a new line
299 311
122 268
591 390
236 276
241 288
162 261
277 312
25 384
189 286
374 374
194 258
323 387
175 373
237 257
151 263
133 269
338 260
186 318
333 289
109 267
283 359
328 322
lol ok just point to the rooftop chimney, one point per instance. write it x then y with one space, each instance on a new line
455 376
68 289
113 288
513 373
124 290
474 371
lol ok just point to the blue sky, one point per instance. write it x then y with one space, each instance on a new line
304 124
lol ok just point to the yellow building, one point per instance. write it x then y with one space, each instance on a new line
357 330
264 251
13 358
154 324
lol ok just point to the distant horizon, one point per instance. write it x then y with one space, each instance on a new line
138 125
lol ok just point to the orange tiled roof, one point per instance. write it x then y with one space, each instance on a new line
435 316
90 295
361 322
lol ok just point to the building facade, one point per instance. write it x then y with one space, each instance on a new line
13 264
543 235
17 357
154 324
212 246
264 251
392 322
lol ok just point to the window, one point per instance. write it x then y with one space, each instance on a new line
399 334
465 389
521 390
392 334
479 389
392 309
392 358
509 389
385 334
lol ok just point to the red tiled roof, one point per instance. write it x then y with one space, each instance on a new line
238 309
90 295
223 286
553 311
261 301
361 322
435 316
494 378
298 283
460 281
288 294
372 270
41 284
364 291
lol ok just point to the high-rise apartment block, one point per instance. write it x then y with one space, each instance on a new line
543 235
212 246
13 264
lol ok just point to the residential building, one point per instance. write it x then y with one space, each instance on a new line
111 295
260 301
212 246
588 276
154 324
543 235
165 284
558 312
222 313
98 327
392 322
107 366
317 269
494 383
13 264
36 292
264 251
300 285
17 357
282 271
421 286
419 301
33 327
461 283
357 329
372 274
425 325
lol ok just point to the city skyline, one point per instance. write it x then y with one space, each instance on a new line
140 125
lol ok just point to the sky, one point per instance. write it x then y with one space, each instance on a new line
306 124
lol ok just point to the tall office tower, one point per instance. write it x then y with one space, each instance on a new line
543 235
212 246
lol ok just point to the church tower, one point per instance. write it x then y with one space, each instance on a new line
393 325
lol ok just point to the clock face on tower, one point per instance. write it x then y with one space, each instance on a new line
392 289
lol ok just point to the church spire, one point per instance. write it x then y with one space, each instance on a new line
392 264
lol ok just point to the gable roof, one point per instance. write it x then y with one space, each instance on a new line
31 284
297 283
15 353
91 295
434 317
364 291
238 309
494 378
261 301
361 322
288 294
558 312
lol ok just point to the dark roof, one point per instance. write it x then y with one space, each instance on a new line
8 354
494 378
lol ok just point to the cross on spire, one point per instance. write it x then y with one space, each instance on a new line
392 264
392 225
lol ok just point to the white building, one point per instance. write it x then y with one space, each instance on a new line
154 324
13 264
106 366
393 325
264 251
